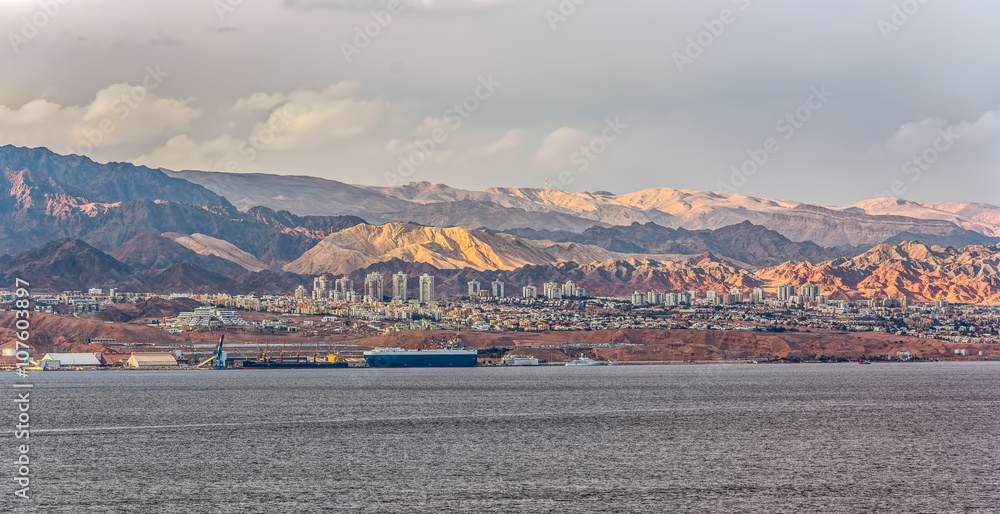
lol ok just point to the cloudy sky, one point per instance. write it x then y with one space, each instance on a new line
827 101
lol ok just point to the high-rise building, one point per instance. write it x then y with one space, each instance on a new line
787 292
737 295
300 292
810 291
569 289
319 287
654 297
374 284
474 288
552 291
580 292
638 298
497 288
757 296
399 282
426 288
344 285
529 291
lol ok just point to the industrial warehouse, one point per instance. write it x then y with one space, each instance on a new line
86 360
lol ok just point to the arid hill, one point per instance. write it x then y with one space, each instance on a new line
688 345
916 271
50 333
444 248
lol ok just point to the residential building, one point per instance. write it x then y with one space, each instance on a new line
426 288
399 283
374 284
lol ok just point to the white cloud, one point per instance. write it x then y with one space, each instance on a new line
556 149
119 115
510 142
914 137
259 102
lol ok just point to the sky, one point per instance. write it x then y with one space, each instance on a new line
822 101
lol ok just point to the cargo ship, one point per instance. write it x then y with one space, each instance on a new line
332 361
277 364
453 354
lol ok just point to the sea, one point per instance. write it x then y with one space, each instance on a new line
825 438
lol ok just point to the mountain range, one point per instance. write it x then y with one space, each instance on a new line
74 224
866 223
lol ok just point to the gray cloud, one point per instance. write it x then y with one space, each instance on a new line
563 74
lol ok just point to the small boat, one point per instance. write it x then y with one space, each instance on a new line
864 362
584 361
519 360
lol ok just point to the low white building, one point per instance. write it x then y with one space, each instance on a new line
73 360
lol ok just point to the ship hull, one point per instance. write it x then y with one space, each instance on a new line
421 360
294 365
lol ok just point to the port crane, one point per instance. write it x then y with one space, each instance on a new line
218 356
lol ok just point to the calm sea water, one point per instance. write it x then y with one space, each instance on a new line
737 438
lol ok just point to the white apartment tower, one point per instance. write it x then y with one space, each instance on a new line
374 285
319 287
399 282
787 292
426 288
497 288
344 285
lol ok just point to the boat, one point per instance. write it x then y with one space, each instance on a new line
453 354
277 364
584 361
332 361
519 360
864 362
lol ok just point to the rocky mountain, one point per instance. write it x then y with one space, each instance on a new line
866 223
150 252
914 270
69 265
48 197
208 245
745 242
444 248
73 265
977 217
37 176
